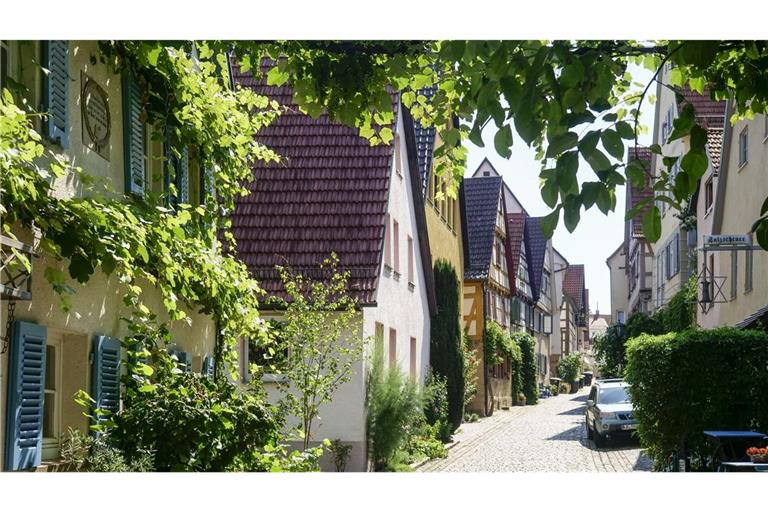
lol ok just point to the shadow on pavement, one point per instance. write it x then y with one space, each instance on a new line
572 434
580 398
578 411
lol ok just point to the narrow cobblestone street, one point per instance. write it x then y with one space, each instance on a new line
549 436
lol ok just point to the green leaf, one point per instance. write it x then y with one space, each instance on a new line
598 161
503 140
636 173
525 123
549 222
655 149
589 193
610 118
589 142
476 135
606 200
549 193
561 143
764 208
652 224
683 124
625 130
695 163
761 234
572 213
613 144
153 55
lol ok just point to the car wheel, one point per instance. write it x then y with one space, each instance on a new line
590 432
599 439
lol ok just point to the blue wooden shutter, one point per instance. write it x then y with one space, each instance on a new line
26 394
208 365
133 137
56 90
105 380
182 177
206 185
185 360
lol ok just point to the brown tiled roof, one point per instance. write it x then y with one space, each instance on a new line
479 209
573 284
715 146
515 230
636 194
709 113
329 194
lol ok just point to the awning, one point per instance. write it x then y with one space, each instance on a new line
751 319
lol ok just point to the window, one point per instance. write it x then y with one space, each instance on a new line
620 316
545 283
743 150
396 245
378 339
666 126
392 347
3 65
410 260
387 244
52 400
734 272
748 272
272 362
413 358
444 200
708 195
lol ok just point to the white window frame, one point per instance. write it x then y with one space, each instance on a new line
744 147
51 445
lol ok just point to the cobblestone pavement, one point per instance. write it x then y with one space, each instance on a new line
549 436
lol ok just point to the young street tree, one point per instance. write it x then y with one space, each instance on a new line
321 334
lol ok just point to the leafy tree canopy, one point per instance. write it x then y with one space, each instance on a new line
566 99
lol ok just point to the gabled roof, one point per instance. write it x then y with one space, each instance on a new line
497 173
573 285
330 194
481 202
536 246
515 236
425 144
709 113
636 194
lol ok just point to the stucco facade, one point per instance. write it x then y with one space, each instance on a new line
741 191
96 307
619 286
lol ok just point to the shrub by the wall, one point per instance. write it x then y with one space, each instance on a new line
446 355
527 372
569 367
685 383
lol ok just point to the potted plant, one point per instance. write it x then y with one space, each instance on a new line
758 454
520 399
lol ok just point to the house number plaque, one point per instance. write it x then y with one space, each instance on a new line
96 118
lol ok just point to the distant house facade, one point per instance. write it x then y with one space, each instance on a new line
334 192
487 289
619 285
639 259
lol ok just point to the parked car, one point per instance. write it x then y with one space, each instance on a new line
609 411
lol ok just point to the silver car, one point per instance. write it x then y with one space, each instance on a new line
609 411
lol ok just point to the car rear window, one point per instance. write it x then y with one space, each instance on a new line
617 395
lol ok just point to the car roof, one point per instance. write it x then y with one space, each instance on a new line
612 383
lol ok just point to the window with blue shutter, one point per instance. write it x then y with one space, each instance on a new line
55 89
208 366
105 381
26 394
184 360
206 185
133 138
182 177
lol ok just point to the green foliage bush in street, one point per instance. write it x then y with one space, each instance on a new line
527 345
393 405
436 407
609 351
193 423
471 366
685 383
446 355
569 367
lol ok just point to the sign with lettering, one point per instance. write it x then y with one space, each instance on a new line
94 105
727 240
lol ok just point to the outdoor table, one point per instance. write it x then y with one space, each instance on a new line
725 438
727 467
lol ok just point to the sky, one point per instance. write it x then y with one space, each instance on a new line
597 235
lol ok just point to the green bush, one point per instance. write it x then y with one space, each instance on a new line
495 342
393 405
569 367
679 314
527 372
435 395
471 366
193 423
610 351
446 355
685 383
641 323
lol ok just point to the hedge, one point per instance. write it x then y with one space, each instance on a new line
446 356
569 367
685 383
527 367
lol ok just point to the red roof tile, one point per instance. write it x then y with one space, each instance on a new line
515 229
709 113
329 194
573 284
636 194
